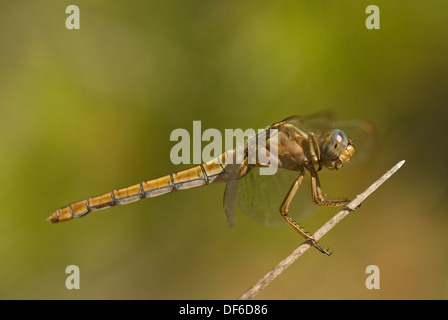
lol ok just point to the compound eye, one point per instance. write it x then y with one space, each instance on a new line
336 144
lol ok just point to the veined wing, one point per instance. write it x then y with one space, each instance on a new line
246 152
260 197
230 193
319 123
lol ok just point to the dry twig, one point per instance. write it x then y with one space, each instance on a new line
271 275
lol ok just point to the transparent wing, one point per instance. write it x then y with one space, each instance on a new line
233 171
319 123
260 197
230 193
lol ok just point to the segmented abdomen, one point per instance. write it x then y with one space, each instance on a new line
206 173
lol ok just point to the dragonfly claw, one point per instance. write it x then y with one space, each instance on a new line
319 247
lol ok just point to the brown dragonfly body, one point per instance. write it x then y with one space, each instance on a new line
303 144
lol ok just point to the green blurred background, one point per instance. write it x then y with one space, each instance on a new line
86 111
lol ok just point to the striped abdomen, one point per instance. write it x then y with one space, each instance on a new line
206 173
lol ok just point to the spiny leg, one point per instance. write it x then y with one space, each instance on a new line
284 209
316 193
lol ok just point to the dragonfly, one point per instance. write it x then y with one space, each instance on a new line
303 144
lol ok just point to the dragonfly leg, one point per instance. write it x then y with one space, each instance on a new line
315 150
284 209
316 192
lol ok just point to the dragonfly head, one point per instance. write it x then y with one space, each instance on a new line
337 149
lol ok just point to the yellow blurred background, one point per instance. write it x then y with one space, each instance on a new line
83 112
